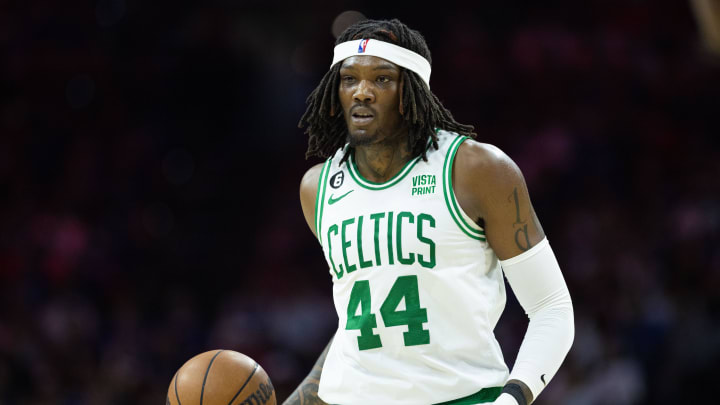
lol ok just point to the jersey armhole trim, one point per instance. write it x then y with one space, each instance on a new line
320 199
471 230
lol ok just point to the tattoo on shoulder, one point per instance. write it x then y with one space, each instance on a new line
522 238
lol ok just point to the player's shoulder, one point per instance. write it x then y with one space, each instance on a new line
310 179
484 160
308 193
483 175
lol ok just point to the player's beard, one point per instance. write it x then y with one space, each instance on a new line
355 140
379 136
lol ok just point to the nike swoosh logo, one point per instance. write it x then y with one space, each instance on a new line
542 377
332 200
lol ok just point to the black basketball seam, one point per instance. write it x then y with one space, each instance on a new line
176 393
202 392
243 386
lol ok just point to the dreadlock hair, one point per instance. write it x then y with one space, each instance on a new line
422 112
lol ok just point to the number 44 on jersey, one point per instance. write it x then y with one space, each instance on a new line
413 316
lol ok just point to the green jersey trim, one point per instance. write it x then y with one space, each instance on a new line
473 230
370 185
483 396
320 199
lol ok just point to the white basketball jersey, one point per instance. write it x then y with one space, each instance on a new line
417 289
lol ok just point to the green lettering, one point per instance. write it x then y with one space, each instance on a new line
389 238
376 218
365 322
405 289
363 263
411 219
333 228
431 222
414 316
346 244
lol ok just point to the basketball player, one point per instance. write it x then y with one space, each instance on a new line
418 223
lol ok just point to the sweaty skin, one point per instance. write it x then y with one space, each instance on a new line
488 185
370 97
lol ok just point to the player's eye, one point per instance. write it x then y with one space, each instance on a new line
383 79
347 79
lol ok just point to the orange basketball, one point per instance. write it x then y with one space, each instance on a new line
221 377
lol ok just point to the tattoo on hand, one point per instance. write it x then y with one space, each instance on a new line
522 239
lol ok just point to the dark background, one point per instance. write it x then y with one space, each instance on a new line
150 164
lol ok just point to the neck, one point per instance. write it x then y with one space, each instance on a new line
379 163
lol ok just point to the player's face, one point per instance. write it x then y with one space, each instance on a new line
370 97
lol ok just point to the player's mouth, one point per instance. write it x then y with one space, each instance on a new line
361 116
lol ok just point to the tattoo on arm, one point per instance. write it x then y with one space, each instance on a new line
306 393
522 239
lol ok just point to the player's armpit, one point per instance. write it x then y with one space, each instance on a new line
307 392
308 194
491 189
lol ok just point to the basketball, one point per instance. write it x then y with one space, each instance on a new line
221 377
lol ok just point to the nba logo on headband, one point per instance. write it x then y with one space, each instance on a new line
390 52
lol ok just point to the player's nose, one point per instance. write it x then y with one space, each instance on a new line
363 92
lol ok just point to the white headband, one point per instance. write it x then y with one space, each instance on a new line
390 52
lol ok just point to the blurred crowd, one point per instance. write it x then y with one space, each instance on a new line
150 163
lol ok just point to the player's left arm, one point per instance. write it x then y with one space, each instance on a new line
490 188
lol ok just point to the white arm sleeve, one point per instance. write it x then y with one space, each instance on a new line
539 286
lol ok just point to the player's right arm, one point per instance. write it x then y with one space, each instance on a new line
308 194
306 392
